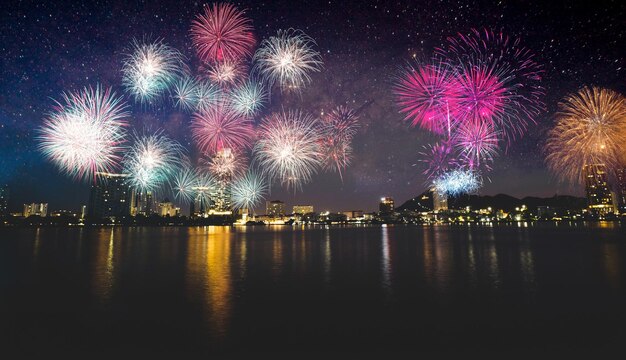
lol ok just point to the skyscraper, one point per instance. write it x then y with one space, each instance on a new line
599 197
110 197
386 205
621 189
36 209
275 208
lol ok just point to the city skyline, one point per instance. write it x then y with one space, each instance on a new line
385 149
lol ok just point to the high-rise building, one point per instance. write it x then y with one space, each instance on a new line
386 205
275 208
599 197
37 209
621 189
303 209
440 201
166 208
110 197
4 200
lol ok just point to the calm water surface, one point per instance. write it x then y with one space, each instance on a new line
369 290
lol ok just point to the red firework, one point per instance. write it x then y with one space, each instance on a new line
222 33
219 128
425 95
477 143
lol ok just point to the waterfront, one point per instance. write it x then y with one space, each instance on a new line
232 290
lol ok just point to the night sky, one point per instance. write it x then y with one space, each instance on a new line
48 48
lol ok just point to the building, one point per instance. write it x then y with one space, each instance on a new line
353 214
166 208
110 197
621 189
4 200
36 209
275 208
303 209
599 197
59 213
386 205
440 201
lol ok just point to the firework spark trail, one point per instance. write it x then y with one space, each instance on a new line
208 96
248 99
457 182
248 191
425 95
185 93
476 143
590 130
439 159
150 69
227 73
288 147
152 161
219 128
337 129
287 59
222 33
85 133
184 183
226 163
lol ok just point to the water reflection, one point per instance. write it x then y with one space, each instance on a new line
209 273
611 262
385 262
104 266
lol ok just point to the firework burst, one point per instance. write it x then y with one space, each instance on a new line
338 129
227 73
85 133
287 58
184 183
150 69
152 161
185 93
219 128
247 99
477 142
439 159
226 163
342 121
222 33
590 130
457 182
248 191
426 95
208 96
288 147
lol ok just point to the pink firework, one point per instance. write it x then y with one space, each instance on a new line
425 95
222 33
219 128
439 158
342 121
477 143
226 163
335 153
498 80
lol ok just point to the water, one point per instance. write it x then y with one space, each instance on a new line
359 290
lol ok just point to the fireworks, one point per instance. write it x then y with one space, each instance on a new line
219 128
84 134
207 96
248 191
222 33
590 130
457 182
185 94
227 163
440 158
184 183
287 58
152 161
425 95
247 99
476 142
150 69
335 144
287 148
227 73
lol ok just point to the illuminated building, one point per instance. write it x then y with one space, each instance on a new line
4 200
353 214
275 208
210 201
386 205
303 209
599 197
36 209
440 201
110 197
166 208
621 189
